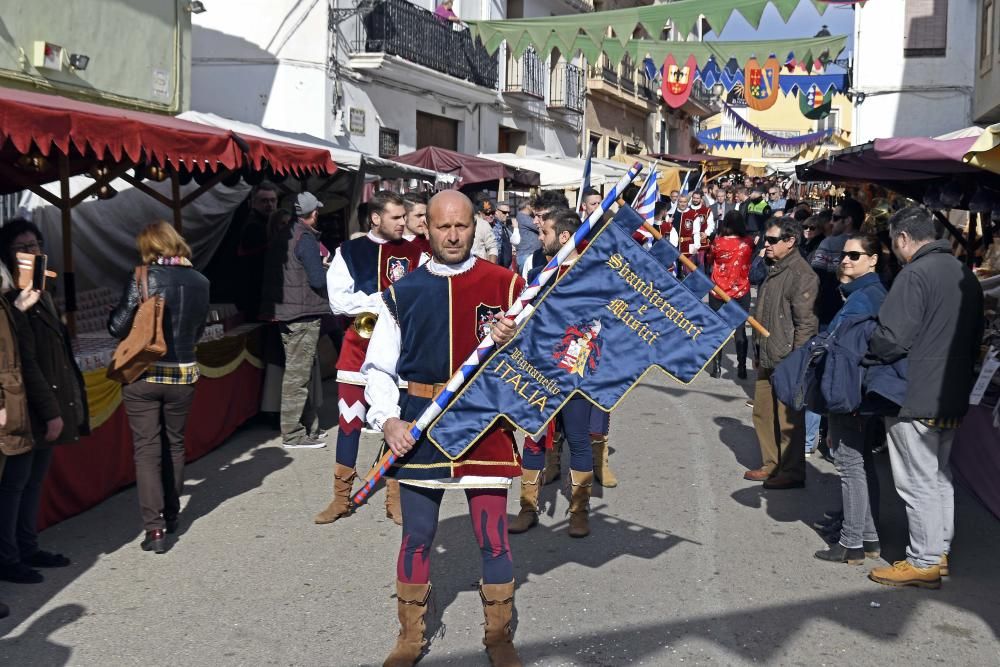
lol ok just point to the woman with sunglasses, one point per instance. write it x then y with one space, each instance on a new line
863 293
812 235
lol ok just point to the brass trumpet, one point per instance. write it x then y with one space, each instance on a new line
364 324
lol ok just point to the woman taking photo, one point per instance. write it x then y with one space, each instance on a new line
863 293
732 254
57 407
160 400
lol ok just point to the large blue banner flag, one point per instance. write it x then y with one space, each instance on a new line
616 313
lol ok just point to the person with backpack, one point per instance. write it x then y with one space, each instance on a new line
863 293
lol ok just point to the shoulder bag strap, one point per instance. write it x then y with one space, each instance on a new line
142 281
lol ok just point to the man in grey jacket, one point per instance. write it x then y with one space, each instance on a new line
932 316
786 303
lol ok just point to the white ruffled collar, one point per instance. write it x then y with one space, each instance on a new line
439 269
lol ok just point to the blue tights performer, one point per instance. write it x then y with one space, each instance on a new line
428 323
541 465
361 268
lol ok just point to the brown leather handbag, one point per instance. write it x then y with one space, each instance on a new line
144 343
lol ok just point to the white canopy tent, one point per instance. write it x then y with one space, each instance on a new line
561 173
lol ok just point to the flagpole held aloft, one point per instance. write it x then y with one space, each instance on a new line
519 311
717 291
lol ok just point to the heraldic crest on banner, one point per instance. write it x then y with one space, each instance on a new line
580 349
616 313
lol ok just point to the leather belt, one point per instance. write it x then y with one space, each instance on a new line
421 390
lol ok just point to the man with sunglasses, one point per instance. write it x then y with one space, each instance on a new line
774 198
785 306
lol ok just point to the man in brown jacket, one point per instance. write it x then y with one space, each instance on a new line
786 307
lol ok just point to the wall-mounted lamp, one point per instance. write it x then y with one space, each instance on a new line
196 7
79 61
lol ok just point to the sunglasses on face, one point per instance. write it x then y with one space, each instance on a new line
775 240
853 255
810 228
500 210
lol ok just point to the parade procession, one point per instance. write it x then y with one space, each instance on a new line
695 301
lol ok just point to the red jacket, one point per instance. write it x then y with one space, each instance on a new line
732 256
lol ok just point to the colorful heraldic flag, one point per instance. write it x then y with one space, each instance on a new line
814 104
761 83
612 316
677 80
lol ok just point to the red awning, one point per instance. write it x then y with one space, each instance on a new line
471 170
82 130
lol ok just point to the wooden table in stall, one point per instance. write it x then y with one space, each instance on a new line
85 473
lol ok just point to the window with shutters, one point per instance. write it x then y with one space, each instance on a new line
986 38
925 28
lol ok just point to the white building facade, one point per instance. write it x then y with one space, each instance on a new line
914 67
386 77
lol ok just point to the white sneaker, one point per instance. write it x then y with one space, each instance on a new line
304 444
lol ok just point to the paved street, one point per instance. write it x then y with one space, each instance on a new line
686 563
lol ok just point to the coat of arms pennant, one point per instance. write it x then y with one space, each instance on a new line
814 103
677 80
760 87
614 315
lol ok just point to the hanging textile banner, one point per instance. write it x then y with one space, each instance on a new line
815 104
755 135
677 80
544 33
761 83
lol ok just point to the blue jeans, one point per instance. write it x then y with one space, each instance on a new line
812 430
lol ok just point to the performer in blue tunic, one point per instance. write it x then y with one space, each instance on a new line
558 227
429 323
360 270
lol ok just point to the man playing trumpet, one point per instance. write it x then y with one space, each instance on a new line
361 269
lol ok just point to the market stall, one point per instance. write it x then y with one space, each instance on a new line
173 163
472 172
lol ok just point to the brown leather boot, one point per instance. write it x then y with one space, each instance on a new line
527 518
411 605
579 503
553 462
498 608
602 470
392 507
340 506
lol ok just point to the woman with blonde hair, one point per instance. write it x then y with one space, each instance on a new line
160 400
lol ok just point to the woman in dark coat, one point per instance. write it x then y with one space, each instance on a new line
57 407
158 403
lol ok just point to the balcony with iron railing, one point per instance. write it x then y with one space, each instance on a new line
525 75
626 74
400 28
619 82
566 88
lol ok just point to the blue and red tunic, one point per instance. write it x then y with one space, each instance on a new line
373 267
442 319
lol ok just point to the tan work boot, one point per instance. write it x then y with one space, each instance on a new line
553 462
943 565
340 506
579 503
602 471
905 573
411 605
392 507
527 518
498 608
